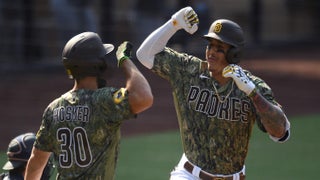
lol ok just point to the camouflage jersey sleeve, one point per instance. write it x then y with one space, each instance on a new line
81 128
168 62
215 125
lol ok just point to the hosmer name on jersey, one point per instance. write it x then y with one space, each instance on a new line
71 113
205 101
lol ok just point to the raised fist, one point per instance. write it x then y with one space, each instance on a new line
187 19
124 52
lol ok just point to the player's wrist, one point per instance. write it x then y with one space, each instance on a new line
252 93
124 52
250 88
174 24
175 18
122 59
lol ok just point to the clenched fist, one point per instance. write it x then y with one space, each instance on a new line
187 19
124 52
241 79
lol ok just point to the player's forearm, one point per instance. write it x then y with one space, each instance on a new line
32 175
155 43
140 95
33 170
272 117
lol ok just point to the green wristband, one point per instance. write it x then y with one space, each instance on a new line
253 93
122 60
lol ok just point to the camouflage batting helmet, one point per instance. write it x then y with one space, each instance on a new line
230 33
19 151
226 31
84 55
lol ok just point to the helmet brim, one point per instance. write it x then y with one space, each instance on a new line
109 48
210 36
10 165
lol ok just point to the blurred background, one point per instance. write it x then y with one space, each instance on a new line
282 47
34 31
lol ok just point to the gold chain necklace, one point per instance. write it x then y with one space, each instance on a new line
219 98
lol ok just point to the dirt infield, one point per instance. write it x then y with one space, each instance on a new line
24 95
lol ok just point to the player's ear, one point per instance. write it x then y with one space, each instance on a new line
233 55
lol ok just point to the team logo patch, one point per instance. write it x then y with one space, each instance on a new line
119 96
217 28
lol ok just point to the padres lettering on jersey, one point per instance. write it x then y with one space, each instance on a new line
205 101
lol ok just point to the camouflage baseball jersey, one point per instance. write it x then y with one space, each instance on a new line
82 129
215 135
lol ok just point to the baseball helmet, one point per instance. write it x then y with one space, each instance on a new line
230 33
84 55
19 151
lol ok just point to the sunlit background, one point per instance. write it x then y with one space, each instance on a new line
282 47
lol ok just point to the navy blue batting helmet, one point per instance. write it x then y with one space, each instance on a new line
19 151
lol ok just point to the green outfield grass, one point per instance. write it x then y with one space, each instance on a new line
153 156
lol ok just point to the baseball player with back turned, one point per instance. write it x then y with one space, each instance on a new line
217 102
82 127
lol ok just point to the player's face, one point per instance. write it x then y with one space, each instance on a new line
216 56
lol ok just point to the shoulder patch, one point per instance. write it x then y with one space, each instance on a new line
119 96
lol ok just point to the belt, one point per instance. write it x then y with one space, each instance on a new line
206 176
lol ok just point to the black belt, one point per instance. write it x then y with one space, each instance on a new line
206 176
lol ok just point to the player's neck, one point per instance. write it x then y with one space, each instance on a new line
221 80
86 83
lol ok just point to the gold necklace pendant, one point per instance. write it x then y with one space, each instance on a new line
219 98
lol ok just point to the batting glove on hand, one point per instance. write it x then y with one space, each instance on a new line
124 52
241 79
187 19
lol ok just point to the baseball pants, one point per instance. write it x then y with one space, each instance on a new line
180 173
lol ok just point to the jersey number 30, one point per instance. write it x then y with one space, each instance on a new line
74 147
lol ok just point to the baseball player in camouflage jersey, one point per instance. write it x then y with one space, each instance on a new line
217 102
82 127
